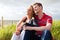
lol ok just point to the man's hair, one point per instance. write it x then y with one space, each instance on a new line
39 4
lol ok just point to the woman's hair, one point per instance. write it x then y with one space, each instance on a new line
33 14
25 18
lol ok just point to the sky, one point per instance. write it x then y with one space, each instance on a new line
16 9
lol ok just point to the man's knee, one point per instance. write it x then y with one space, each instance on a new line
46 31
46 35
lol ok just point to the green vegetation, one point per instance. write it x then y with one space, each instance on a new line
56 30
6 33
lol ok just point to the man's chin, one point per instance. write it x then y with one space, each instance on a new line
36 13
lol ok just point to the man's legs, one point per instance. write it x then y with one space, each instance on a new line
46 35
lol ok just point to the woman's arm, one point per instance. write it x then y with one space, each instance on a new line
20 24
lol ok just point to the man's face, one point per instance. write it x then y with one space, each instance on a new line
37 9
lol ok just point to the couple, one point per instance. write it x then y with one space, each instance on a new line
36 25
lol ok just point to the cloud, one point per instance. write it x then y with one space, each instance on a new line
53 10
15 9
12 13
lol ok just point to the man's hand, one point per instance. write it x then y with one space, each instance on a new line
24 27
27 28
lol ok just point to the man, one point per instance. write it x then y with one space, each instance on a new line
44 21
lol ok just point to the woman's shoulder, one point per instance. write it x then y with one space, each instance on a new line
24 18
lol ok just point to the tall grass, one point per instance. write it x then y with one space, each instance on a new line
6 33
56 29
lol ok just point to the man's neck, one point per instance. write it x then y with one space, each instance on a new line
40 15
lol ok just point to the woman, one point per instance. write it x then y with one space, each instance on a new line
26 21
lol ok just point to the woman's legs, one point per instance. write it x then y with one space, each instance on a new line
29 35
15 37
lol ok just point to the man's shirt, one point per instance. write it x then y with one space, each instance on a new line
43 21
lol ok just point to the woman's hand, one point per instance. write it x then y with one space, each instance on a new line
17 32
18 28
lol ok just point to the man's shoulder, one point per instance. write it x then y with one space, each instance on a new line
48 16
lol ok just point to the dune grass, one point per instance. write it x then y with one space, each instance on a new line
56 29
6 33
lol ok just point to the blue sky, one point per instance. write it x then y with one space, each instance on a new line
16 9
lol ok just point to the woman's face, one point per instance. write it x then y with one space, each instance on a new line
30 11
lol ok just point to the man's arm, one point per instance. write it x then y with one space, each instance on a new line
41 28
